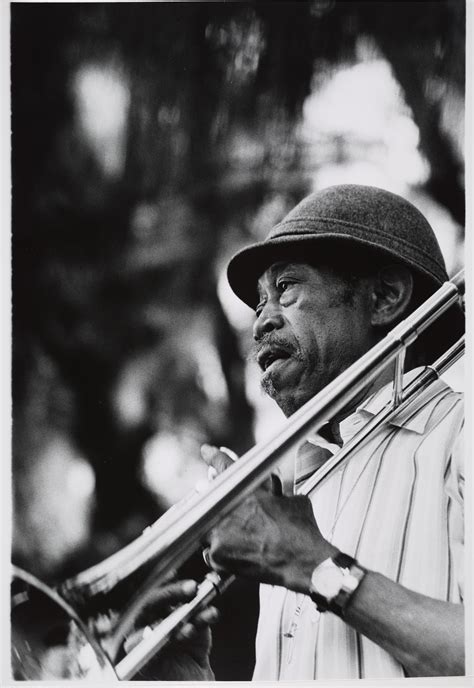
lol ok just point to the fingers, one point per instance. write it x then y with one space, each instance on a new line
162 599
174 593
220 458
217 459
207 617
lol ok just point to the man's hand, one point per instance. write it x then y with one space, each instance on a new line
186 657
270 538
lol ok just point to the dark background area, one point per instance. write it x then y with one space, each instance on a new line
149 141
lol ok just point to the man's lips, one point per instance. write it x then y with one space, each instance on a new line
270 354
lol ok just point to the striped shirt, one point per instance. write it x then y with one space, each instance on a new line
397 507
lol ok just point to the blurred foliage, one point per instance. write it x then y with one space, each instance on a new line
117 250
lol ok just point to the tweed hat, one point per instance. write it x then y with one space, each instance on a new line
351 215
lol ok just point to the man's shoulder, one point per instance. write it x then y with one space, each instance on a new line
446 405
436 407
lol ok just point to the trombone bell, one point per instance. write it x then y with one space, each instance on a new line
48 640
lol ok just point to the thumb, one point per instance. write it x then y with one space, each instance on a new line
217 458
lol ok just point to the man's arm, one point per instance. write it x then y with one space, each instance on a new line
276 540
425 635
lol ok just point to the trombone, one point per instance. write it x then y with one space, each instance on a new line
181 530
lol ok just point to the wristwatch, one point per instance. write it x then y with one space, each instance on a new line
334 582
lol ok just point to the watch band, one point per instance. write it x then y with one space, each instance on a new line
353 575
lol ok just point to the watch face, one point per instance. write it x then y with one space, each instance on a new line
327 580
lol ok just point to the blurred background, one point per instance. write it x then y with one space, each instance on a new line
149 142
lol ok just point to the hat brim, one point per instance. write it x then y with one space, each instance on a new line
248 265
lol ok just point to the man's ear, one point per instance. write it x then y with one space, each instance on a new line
392 292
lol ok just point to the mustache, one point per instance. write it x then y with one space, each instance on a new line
274 341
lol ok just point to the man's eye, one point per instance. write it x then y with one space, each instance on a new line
259 309
283 284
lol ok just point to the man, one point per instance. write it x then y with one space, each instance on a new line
365 579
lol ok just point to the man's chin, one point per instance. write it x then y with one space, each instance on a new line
286 402
272 381
282 387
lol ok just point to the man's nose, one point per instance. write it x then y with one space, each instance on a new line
270 319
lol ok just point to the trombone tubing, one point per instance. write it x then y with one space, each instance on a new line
173 543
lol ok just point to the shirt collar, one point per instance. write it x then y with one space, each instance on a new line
413 418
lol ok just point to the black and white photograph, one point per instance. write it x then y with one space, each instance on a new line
238 235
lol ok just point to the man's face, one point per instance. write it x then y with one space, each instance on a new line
309 328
